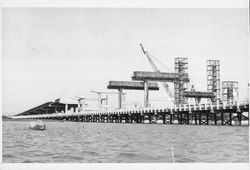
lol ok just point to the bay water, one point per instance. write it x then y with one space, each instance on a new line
77 142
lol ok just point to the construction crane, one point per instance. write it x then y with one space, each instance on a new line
164 84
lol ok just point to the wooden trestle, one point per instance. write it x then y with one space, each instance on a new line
186 114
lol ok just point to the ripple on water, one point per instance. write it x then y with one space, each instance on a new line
128 143
6 156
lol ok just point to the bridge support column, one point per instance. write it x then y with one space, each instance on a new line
117 119
141 119
171 119
145 94
195 118
222 118
137 119
66 108
131 119
119 98
180 118
215 119
239 118
120 119
164 118
230 118
149 119
200 118
207 121
99 101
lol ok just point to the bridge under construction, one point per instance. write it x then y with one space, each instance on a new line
188 114
222 105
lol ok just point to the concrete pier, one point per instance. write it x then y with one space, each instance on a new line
131 85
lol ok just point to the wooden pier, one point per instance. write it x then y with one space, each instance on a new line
219 114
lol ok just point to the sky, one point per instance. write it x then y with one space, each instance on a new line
50 53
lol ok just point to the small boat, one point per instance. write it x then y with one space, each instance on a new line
38 125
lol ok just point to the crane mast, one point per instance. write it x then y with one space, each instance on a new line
165 85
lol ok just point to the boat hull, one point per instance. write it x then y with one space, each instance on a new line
37 126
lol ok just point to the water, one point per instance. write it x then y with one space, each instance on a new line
75 142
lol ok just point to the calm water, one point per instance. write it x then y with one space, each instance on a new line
130 143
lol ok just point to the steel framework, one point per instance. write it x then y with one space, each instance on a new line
213 79
230 91
181 67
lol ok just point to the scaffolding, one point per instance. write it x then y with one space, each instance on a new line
230 91
181 67
213 79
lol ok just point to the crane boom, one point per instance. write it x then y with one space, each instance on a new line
150 60
165 85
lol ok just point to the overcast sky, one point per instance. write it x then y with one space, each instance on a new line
59 52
